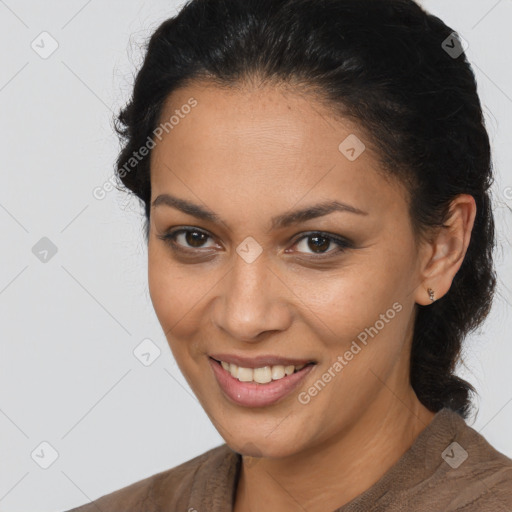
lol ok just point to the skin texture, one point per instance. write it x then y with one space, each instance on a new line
249 154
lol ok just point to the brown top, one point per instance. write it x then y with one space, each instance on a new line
450 467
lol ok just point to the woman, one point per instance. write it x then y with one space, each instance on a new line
315 176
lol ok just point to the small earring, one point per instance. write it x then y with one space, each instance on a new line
431 294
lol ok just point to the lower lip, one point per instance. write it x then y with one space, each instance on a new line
253 394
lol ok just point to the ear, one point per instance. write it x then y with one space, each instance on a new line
444 253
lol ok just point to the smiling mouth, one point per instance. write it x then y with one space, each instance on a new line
261 375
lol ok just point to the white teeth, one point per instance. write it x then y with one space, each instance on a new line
277 372
233 369
244 374
289 369
261 375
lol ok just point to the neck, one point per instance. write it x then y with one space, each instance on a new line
329 475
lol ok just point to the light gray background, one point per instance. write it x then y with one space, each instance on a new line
68 327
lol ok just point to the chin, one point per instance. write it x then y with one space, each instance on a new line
260 445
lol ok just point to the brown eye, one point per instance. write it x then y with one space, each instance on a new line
320 243
195 238
186 239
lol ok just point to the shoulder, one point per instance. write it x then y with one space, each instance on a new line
475 475
172 487
487 472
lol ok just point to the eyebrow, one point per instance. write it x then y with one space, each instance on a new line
280 221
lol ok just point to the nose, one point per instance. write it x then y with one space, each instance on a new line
253 301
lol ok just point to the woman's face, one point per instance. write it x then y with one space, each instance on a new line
271 272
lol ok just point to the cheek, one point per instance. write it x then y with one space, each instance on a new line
162 289
179 294
169 289
341 304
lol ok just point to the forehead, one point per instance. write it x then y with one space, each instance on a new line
249 119
267 141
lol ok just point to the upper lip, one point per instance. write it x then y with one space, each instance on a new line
259 361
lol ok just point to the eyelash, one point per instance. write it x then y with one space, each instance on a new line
341 243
